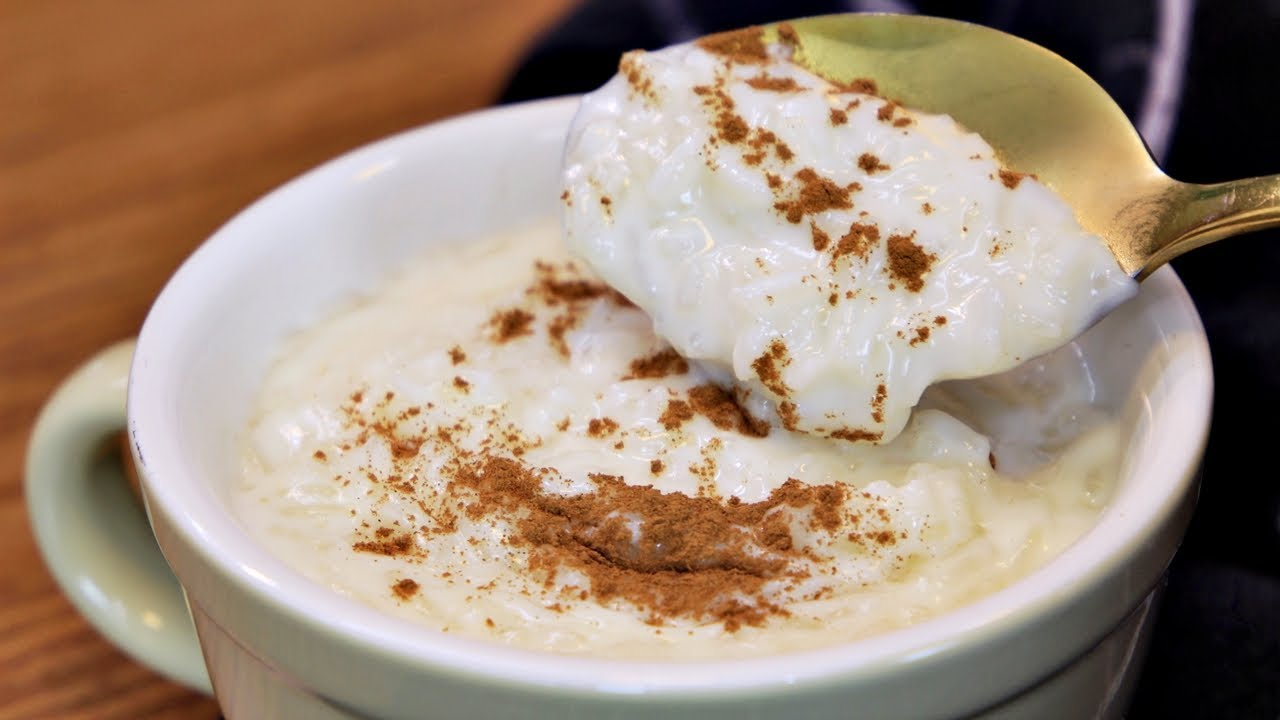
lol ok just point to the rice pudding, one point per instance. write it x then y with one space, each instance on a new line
497 444
823 249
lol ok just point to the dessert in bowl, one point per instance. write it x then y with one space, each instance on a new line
1062 638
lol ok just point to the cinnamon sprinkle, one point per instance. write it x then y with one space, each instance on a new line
677 413
602 427
769 83
405 589
696 557
560 288
814 194
857 242
886 111
870 164
740 46
1011 179
877 403
638 79
510 324
820 239
723 410
788 35
908 262
856 435
661 364
768 368
401 544
865 86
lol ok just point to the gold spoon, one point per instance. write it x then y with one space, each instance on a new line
1045 117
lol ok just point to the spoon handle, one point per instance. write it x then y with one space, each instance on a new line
1197 215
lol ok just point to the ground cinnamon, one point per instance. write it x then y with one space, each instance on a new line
1011 179
510 324
658 365
405 589
908 262
821 240
811 193
724 411
676 414
870 164
774 84
858 242
638 79
740 46
695 557
769 365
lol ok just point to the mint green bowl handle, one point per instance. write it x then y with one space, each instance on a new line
93 532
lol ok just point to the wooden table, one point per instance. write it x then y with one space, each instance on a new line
128 132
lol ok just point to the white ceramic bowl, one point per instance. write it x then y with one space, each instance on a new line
1062 642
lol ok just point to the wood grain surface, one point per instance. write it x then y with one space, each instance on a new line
128 132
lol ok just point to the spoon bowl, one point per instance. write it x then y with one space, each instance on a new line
1045 117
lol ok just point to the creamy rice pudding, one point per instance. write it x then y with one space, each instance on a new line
496 444
499 443
826 250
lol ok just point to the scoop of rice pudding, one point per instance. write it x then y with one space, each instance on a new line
826 250
497 444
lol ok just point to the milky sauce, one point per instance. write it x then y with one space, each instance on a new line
826 250
363 465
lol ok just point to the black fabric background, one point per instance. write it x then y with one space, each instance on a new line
1216 649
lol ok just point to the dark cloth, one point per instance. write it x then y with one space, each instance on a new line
1216 649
